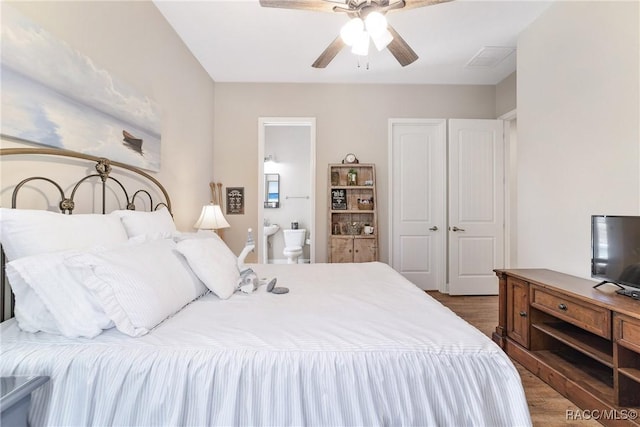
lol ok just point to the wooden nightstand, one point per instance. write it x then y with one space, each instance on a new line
15 397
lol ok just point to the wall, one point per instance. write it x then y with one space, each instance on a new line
578 122
506 99
134 42
349 118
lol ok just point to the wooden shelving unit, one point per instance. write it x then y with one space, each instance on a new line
582 341
353 218
626 333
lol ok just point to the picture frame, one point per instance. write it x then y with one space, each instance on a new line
235 200
338 199
117 121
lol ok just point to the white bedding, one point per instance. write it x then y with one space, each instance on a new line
350 344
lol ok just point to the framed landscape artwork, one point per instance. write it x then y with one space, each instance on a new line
54 95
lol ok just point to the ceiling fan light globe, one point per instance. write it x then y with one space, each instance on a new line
381 41
376 24
351 30
361 45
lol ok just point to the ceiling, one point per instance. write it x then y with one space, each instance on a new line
240 41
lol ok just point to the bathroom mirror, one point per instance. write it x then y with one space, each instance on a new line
272 190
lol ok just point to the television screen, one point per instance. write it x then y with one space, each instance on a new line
615 249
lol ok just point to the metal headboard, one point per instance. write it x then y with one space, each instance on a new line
67 204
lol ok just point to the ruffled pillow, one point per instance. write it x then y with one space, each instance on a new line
51 297
139 285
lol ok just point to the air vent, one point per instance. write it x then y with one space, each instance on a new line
489 56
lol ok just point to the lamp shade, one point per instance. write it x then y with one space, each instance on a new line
211 218
351 30
382 40
361 45
376 24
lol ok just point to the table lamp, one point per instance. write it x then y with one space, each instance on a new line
211 218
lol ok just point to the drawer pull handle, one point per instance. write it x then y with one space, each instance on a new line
562 307
523 314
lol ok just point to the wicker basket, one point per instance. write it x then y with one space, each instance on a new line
366 206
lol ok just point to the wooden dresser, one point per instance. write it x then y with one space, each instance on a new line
583 342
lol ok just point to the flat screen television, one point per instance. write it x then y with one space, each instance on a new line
615 249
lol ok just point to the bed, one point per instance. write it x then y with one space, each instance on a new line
349 345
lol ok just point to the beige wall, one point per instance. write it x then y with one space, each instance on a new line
578 129
134 42
506 95
153 60
350 118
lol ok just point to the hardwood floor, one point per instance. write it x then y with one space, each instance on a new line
547 407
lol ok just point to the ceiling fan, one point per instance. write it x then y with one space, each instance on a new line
362 16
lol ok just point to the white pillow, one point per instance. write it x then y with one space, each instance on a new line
30 312
213 262
157 223
50 297
139 285
179 236
27 232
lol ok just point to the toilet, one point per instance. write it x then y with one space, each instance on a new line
293 242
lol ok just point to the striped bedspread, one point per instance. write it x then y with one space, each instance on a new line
349 345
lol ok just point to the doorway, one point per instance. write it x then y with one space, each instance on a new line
418 201
476 205
447 203
287 182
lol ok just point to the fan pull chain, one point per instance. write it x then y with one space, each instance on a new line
367 66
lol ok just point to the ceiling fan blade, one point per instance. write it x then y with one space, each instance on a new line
315 5
329 53
412 4
400 49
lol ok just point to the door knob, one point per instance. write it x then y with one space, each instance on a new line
457 229
434 228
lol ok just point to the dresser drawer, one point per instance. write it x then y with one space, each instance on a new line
627 331
584 315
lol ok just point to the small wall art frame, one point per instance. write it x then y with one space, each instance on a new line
338 199
235 200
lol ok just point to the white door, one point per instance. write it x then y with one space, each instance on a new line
417 200
476 205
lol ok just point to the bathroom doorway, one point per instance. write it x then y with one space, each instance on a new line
287 182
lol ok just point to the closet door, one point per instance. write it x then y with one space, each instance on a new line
476 205
417 199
